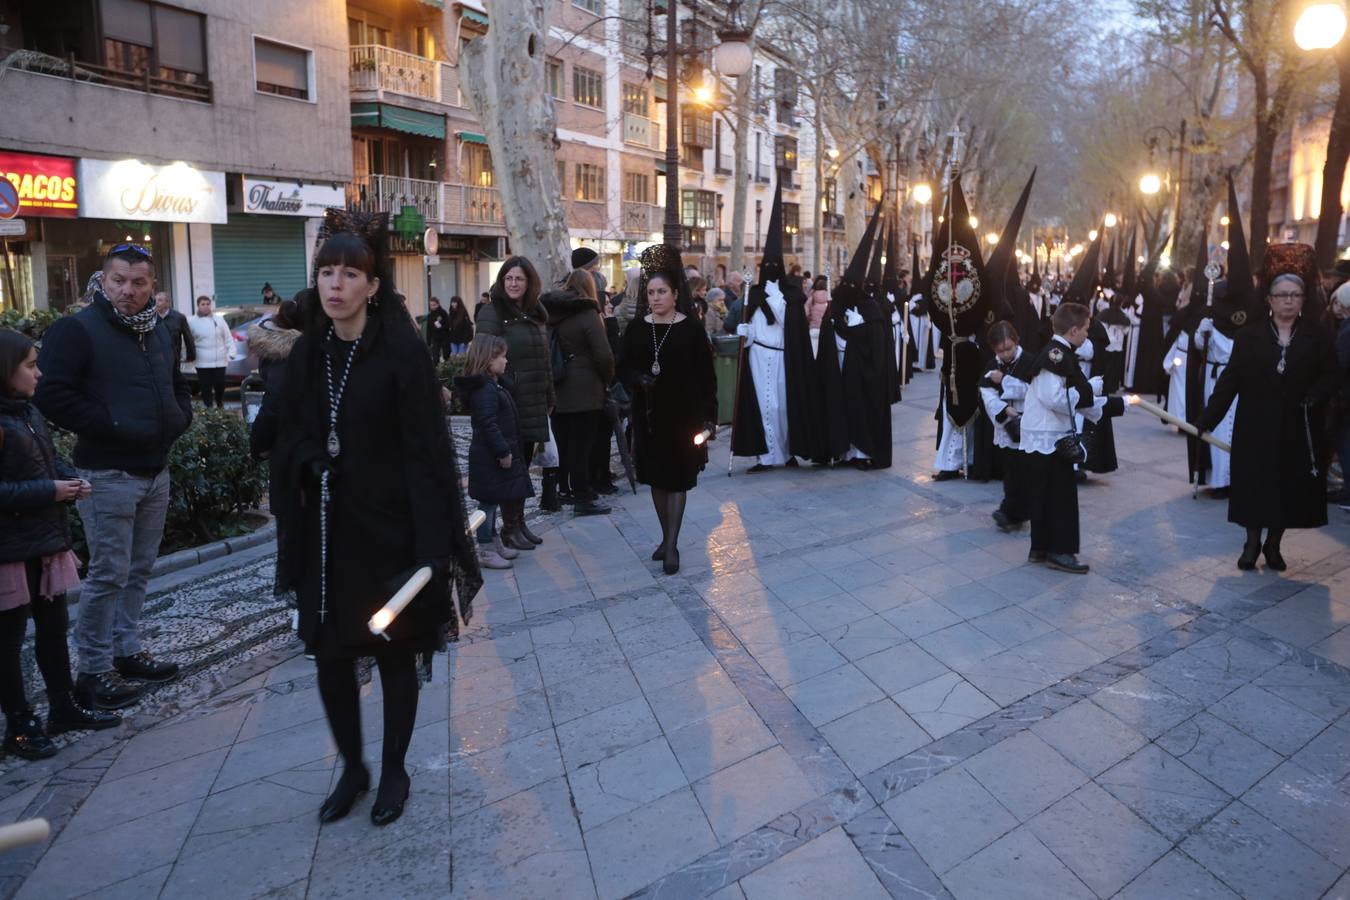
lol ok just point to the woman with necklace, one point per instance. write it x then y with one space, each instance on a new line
1282 372
666 363
366 493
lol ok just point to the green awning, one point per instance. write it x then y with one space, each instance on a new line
474 15
410 121
470 137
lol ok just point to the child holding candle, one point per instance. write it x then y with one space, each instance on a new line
36 564
497 470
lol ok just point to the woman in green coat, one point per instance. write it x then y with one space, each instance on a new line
513 313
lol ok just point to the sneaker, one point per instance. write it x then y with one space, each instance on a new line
491 559
25 739
106 690
74 717
144 667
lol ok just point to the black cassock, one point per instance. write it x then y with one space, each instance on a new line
1149 379
869 380
1101 436
834 423
747 428
807 407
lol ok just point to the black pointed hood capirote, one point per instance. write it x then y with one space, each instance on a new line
1000 258
1083 287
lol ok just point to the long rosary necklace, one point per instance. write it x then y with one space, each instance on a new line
656 347
335 393
1284 348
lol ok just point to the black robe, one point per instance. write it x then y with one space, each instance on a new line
805 388
1101 436
869 363
747 427
1149 379
1279 474
835 421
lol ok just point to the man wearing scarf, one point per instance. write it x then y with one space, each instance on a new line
110 375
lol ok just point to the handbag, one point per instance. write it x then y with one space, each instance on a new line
1069 446
548 456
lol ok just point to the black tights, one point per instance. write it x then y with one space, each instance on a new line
342 702
50 621
1273 538
670 511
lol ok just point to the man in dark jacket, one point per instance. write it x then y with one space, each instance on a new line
111 377
184 347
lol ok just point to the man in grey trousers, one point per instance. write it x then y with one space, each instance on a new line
110 376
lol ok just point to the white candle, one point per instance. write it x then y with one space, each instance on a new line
24 834
385 615
702 437
1136 400
478 518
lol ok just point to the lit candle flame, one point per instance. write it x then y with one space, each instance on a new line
382 619
702 437
385 615
1133 399
1176 362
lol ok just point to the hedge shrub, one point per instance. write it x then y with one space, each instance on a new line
213 482
449 369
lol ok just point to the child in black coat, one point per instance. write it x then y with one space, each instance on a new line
498 476
37 566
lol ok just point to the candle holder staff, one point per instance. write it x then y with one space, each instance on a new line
366 494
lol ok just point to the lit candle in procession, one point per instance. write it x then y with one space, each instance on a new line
1136 400
385 615
1176 362
703 437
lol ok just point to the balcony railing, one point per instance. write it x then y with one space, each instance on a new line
465 204
379 68
389 193
189 87
833 221
642 218
639 131
695 241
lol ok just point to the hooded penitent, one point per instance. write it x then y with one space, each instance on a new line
895 304
958 290
922 338
1234 308
1000 265
864 373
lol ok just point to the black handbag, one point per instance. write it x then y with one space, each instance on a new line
1069 446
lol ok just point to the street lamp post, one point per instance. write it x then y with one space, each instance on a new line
732 56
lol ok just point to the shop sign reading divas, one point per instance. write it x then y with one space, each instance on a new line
130 188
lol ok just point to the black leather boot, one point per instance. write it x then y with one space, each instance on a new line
548 499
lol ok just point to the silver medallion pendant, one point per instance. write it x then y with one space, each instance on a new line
656 368
334 447
1279 367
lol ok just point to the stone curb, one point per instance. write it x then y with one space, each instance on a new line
183 559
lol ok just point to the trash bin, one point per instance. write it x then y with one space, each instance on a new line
725 349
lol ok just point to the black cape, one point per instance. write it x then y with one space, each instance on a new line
1101 440
806 408
835 421
869 366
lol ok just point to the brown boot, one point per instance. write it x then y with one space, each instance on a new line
513 518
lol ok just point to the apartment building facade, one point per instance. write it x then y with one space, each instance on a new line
213 133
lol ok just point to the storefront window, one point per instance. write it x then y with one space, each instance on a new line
76 249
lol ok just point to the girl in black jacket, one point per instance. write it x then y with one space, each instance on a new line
36 565
498 475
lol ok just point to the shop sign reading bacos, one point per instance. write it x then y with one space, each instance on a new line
290 198
129 188
46 184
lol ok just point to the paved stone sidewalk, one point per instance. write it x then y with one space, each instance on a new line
856 687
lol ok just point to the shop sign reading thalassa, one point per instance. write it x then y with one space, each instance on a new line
129 188
289 198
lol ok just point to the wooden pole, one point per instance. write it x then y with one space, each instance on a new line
10 296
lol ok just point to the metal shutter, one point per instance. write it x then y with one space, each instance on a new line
251 250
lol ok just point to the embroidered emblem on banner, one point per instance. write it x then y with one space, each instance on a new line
956 282
1056 355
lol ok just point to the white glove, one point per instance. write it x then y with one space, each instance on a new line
1096 382
853 317
743 330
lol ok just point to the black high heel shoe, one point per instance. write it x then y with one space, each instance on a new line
659 553
387 811
671 563
1247 561
1273 558
349 787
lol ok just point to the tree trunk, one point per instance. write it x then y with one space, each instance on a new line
1333 173
503 71
1262 156
740 194
818 213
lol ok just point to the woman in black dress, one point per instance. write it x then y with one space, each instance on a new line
1282 372
367 491
666 362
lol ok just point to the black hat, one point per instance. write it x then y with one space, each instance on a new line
1085 275
583 257
771 266
1000 258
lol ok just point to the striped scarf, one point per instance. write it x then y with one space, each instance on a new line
142 322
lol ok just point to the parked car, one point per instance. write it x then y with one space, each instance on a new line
239 319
